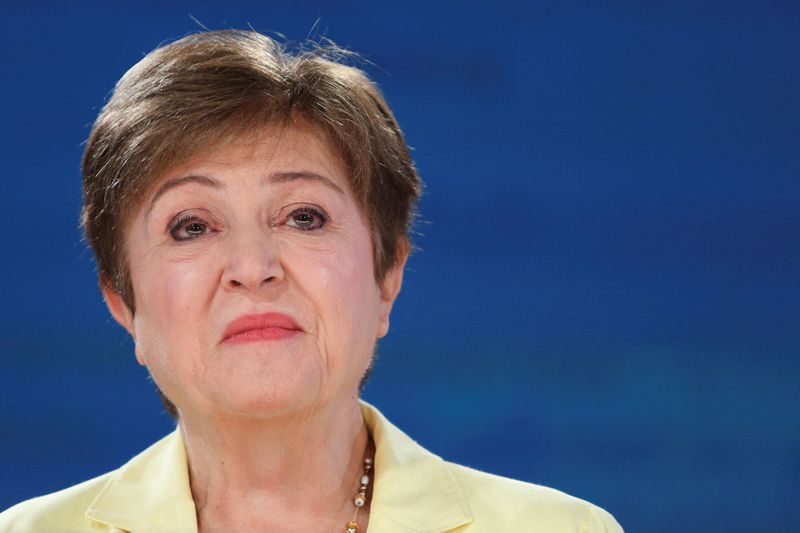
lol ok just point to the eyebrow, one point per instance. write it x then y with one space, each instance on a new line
177 182
286 177
206 181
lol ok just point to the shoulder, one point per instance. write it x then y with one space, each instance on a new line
60 511
426 493
503 504
150 488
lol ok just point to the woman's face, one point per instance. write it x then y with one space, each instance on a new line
252 272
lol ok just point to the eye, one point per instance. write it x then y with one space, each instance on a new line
306 218
188 227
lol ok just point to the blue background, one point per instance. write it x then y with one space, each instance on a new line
606 299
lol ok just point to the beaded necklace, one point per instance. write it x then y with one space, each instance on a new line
360 499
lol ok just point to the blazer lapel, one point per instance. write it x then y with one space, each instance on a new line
414 489
149 493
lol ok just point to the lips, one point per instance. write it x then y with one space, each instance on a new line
261 327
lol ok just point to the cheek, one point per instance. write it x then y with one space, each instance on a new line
348 298
183 285
170 297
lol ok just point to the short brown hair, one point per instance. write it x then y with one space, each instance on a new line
214 86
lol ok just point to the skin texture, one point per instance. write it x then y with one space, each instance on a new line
267 223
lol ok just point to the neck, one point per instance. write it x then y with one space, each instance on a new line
296 471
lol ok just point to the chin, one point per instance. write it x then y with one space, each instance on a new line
266 399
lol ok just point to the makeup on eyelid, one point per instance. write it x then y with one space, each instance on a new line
305 218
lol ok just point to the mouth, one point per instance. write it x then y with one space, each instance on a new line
261 327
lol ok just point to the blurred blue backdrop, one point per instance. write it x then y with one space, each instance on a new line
606 299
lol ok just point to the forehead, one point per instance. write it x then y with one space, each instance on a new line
295 148
291 148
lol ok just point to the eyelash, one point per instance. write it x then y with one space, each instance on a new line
186 220
183 222
322 218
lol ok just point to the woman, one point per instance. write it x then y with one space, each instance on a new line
249 213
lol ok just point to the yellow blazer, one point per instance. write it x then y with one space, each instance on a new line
415 491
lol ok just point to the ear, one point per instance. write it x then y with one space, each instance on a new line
390 286
121 313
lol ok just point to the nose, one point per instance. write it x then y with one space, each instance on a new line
253 262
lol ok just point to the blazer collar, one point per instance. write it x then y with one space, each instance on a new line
150 492
414 489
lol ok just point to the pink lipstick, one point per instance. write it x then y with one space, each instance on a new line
261 327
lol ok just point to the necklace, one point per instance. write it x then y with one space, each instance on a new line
360 499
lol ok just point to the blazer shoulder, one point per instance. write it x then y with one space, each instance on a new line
503 504
59 511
